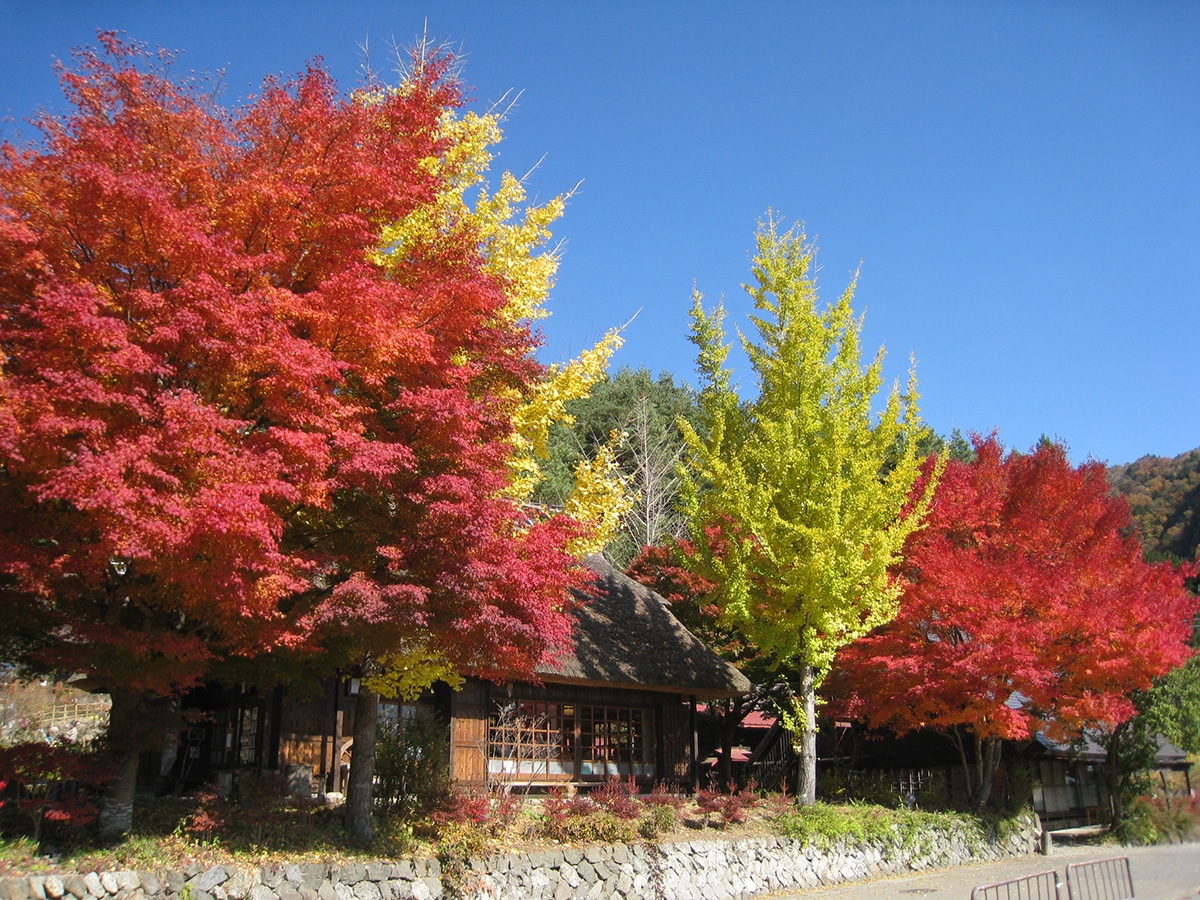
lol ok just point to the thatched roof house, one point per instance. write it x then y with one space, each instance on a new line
626 636
622 702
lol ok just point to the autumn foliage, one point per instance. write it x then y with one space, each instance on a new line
1027 607
260 374
52 783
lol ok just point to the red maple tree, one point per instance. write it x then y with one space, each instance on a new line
224 427
1028 608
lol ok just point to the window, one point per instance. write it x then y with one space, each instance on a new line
531 738
540 739
613 740
248 737
391 712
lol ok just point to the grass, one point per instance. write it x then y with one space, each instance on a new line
175 833
824 825
165 836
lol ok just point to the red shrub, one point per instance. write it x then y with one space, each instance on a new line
664 794
54 783
730 807
464 806
559 807
619 798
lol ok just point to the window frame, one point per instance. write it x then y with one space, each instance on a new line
554 740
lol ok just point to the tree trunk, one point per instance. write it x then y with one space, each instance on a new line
977 778
806 740
729 724
987 758
123 737
1113 773
360 788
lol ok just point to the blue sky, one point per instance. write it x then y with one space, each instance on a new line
1020 181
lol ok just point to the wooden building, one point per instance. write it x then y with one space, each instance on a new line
1071 785
620 702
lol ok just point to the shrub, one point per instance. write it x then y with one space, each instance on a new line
619 798
411 765
778 804
55 788
658 820
1155 819
506 808
463 806
559 806
823 825
469 816
258 813
260 801
212 814
608 815
731 807
458 844
664 794
469 824
598 827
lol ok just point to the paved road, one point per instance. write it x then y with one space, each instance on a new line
1159 873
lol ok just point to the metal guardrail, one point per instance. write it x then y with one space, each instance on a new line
1104 879
1042 886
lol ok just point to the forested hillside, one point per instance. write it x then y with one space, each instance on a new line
1164 496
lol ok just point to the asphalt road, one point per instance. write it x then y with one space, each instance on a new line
1169 872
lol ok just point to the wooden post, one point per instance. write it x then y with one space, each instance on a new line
694 743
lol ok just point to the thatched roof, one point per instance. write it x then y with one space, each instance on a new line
626 636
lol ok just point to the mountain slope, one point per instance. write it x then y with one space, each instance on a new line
1164 497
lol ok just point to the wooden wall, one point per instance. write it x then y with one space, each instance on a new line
469 733
676 735
304 733
670 725
310 728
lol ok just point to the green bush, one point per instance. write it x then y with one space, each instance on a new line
1154 820
824 825
1138 827
600 827
657 821
412 765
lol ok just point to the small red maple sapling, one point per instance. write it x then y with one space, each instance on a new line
1027 608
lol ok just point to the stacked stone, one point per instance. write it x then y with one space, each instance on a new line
715 869
416 879
722 869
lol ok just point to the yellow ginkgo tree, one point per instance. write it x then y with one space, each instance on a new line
513 237
800 499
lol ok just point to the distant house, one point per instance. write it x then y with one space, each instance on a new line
621 702
1070 787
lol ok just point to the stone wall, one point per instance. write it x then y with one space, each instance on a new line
712 868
